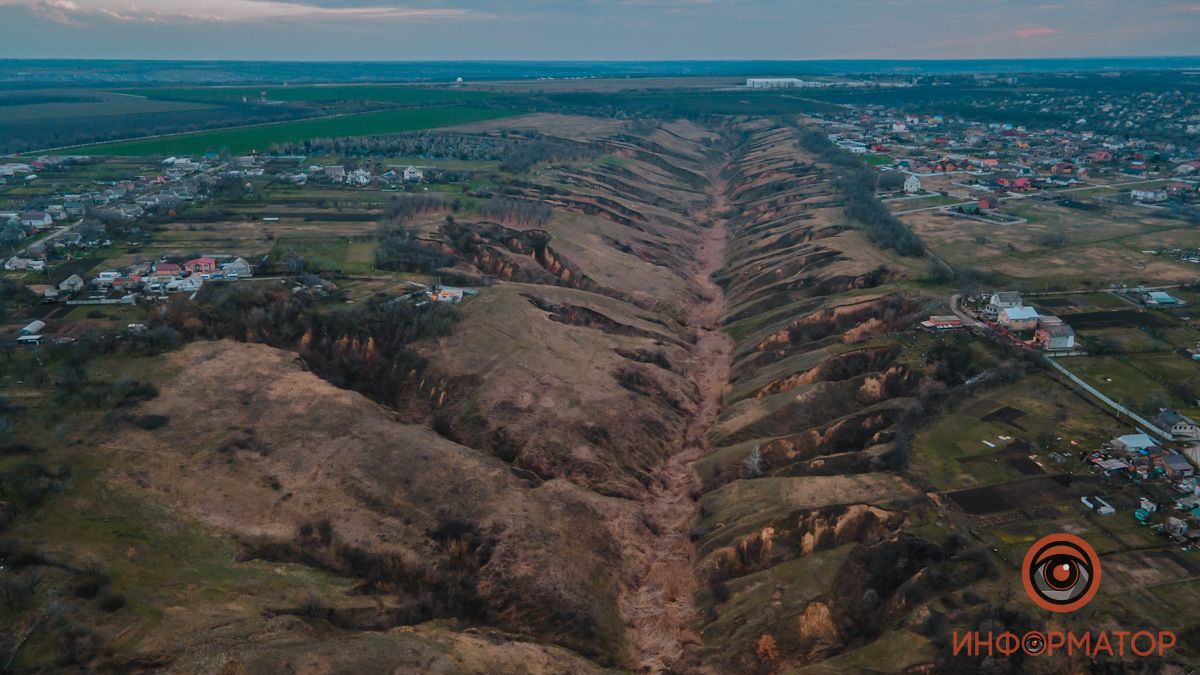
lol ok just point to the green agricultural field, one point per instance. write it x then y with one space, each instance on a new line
402 94
340 255
879 159
245 139
39 105
1130 379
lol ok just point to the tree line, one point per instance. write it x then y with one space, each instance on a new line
857 181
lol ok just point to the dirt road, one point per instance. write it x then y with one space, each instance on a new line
660 609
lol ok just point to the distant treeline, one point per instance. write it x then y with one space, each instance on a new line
463 147
672 104
516 153
856 182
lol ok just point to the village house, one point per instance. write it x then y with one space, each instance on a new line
337 173
36 219
1134 443
1018 318
237 267
19 263
1180 427
912 184
202 265
1175 466
1003 300
413 175
1148 195
185 285
1054 334
167 270
72 284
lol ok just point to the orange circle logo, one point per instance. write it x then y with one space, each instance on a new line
1061 572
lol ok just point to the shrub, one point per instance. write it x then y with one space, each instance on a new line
152 422
111 602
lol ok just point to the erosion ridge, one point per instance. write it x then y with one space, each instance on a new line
671 419
802 470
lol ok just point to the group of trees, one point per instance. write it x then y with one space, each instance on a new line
14 294
401 251
364 347
521 157
401 209
518 211
463 147
856 181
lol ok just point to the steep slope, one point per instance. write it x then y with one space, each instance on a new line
801 477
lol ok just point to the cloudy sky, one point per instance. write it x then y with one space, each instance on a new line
595 29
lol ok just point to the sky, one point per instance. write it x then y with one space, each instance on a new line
407 30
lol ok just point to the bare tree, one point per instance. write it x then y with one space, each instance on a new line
753 462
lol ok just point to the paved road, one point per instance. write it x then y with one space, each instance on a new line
62 229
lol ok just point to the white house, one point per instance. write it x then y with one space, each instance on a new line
413 175
36 219
1003 300
1148 195
1177 425
1132 443
188 284
912 184
72 284
238 266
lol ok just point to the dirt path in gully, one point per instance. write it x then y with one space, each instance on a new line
660 609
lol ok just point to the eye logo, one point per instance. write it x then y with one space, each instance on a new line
1061 573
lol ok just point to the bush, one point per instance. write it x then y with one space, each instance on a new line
111 602
152 422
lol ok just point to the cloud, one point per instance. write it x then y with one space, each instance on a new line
1035 32
76 13
61 12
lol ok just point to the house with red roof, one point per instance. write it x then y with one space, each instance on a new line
164 272
200 266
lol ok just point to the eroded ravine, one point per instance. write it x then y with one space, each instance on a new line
660 610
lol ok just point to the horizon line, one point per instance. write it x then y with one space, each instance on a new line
626 60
